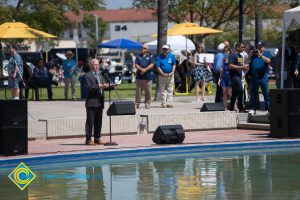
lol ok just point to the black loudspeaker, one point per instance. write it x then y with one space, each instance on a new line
13 141
285 100
285 113
13 113
169 134
13 127
285 125
121 108
212 107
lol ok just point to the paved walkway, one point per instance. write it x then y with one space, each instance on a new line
67 109
182 104
72 145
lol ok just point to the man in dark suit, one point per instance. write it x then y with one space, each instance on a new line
94 103
290 59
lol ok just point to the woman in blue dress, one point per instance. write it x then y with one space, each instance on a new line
224 80
200 73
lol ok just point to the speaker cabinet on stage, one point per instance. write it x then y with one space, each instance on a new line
14 141
208 107
169 134
13 127
121 108
285 113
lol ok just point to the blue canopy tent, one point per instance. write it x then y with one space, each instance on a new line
121 44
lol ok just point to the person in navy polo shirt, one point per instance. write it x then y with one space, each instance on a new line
259 70
166 65
144 75
236 66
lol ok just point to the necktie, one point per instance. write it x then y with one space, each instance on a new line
97 77
98 80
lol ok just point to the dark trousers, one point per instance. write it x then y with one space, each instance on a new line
263 84
219 92
32 85
296 82
45 83
237 92
93 120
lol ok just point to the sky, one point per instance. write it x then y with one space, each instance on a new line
116 4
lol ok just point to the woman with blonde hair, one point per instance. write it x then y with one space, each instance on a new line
201 72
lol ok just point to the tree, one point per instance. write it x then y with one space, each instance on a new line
162 16
45 15
89 22
219 14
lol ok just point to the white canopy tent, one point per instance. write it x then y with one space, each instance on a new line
291 15
177 43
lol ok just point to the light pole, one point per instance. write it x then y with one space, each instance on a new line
97 34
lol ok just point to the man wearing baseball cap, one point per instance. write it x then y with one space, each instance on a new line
259 69
144 75
166 64
218 64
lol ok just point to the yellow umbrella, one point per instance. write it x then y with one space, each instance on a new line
14 30
11 30
189 29
41 34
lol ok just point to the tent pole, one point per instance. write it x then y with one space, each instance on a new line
282 54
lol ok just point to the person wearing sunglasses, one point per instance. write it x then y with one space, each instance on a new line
224 80
236 67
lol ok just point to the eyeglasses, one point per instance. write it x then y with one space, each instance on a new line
226 50
242 47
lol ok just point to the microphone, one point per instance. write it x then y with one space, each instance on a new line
106 77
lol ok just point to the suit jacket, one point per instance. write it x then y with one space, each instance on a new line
95 94
290 60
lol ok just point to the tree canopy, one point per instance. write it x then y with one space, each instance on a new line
43 14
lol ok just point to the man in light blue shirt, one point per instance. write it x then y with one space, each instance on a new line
70 70
166 64
218 64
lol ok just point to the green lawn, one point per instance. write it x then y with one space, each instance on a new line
125 90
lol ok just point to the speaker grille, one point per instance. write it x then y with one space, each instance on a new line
121 108
169 134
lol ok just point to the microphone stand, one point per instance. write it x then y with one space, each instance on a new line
110 143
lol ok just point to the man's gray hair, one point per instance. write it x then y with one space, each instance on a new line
93 60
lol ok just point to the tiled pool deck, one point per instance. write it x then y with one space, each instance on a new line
134 141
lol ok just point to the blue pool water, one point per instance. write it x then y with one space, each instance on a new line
246 174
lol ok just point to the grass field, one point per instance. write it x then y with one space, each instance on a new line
125 90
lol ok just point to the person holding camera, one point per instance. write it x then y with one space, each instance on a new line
259 70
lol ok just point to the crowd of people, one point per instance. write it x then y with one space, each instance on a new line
237 71
40 75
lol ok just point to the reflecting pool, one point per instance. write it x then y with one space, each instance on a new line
189 177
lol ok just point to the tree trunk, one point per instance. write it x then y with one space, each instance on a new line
162 27
258 26
241 20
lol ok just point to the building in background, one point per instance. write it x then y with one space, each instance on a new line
133 24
